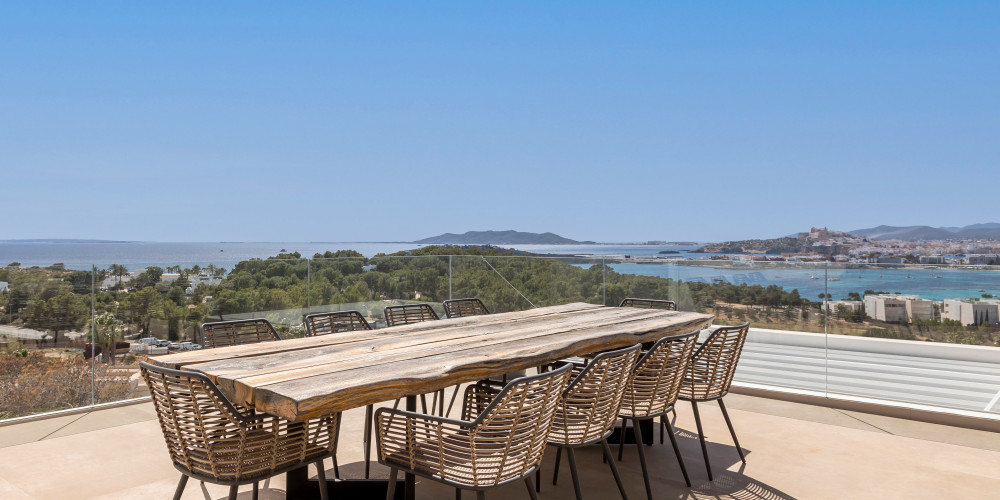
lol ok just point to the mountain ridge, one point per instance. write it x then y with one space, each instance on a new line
509 237
986 231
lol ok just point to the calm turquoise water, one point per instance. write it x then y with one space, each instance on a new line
916 280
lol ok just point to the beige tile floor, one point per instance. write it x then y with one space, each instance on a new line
793 451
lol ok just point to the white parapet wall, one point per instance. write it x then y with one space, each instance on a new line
936 350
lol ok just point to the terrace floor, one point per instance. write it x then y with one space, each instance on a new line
793 451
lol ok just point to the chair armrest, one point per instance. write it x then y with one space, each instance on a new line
415 441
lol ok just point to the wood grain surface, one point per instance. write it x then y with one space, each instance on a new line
303 378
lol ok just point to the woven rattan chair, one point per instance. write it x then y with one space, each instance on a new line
504 443
653 390
459 308
337 322
666 305
409 314
710 374
589 409
212 440
241 331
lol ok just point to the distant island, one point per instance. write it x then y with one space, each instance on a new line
500 238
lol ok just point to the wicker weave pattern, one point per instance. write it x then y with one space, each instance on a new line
502 444
668 305
210 438
657 378
590 405
459 308
335 322
244 331
714 363
409 313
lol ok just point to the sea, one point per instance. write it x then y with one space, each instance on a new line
811 280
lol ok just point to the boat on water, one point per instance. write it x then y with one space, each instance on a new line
814 277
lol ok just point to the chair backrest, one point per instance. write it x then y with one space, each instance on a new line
517 423
668 305
241 331
658 375
409 313
192 412
209 437
458 308
335 322
591 403
713 364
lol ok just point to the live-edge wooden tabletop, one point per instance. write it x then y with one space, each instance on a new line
304 378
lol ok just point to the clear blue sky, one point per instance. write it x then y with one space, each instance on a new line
323 121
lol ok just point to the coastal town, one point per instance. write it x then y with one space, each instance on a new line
822 244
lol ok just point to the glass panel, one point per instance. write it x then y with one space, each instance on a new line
781 300
513 283
43 333
398 280
923 334
346 281
275 289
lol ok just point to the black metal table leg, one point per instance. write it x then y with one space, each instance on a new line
409 479
647 433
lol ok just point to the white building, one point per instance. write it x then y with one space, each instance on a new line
898 308
932 259
3 286
971 312
889 260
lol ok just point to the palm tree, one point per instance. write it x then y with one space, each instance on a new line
118 270
109 331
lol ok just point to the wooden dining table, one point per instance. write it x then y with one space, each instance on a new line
300 379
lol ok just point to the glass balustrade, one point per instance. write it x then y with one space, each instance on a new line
903 334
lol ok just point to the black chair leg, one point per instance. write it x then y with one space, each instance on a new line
576 475
531 487
732 431
390 492
324 494
677 451
180 487
701 437
336 468
555 473
621 439
663 427
458 493
368 440
256 490
480 495
614 468
642 458
232 492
